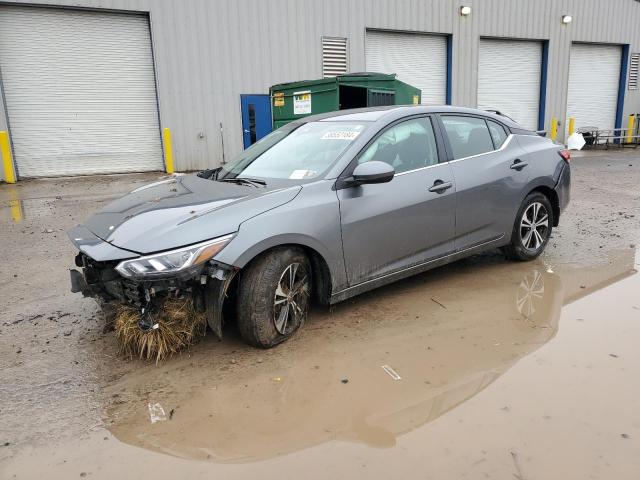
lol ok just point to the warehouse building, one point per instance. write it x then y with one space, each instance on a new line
87 86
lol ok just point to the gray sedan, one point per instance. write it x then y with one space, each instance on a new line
323 209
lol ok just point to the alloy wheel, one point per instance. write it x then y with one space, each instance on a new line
290 299
534 226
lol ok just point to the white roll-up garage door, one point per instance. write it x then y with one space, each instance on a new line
594 74
80 91
418 59
509 79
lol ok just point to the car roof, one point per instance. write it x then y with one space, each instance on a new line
393 112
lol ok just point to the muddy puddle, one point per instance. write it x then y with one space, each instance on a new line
367 373
482 369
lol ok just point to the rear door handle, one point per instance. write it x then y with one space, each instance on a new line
440 187
518 164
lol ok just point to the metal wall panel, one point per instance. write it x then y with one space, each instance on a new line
207 52
80 92
509 79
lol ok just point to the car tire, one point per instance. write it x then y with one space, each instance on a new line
532 228
273 297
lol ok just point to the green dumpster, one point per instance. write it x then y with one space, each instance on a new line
294 100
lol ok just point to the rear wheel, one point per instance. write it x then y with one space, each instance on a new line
273 298
532 228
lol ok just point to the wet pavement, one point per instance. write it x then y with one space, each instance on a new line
480 369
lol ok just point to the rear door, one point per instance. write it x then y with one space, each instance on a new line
490 171
390 226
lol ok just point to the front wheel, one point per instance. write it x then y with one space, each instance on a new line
532 228
273 298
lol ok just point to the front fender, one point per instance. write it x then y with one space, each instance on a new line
311 220
277 240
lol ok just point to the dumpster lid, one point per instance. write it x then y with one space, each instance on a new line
337 78
367 74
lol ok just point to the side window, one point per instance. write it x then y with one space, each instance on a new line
498 133
467 135
406 146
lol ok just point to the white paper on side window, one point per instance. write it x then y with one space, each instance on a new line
340 135
300 174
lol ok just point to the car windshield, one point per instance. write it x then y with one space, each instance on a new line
294 153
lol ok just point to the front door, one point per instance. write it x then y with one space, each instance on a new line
256 118
391 226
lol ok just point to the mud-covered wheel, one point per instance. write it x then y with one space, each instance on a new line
532 228
273 297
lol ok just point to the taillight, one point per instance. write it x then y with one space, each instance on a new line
566 155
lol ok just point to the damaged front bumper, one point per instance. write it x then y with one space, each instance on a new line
97 277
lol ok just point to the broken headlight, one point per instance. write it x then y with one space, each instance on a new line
173 261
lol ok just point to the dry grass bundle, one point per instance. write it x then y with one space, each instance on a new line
179 325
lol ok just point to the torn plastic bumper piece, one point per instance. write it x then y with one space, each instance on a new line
220 278
78 283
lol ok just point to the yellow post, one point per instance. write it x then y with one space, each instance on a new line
630 125
554 128
15 204
7 162
572 125
168 152
16 210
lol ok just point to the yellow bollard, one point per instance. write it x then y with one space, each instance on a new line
572 125
554 128
7 162
168 152
630 125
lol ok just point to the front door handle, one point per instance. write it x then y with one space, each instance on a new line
518 164
440 187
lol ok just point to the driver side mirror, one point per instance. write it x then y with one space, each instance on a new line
371 172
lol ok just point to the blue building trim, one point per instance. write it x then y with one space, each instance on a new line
449 67
543 84
622 85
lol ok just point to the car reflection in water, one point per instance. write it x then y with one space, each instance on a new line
448 334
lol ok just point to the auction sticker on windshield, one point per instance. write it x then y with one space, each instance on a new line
340 135
300 174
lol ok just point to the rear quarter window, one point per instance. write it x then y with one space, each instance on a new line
498 133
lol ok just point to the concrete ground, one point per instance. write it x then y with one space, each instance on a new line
507 370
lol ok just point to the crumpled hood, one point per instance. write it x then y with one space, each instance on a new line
182 211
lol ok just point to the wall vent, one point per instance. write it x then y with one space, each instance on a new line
334 56
634 66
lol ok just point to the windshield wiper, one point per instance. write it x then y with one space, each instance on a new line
244 180
210 174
